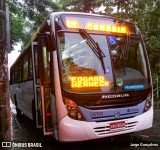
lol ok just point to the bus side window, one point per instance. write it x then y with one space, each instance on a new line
15 74
30 71
25 67
36 64
12 76
20 70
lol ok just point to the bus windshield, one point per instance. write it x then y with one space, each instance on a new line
129 63
122 67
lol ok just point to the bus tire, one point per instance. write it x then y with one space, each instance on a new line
34 112
17 109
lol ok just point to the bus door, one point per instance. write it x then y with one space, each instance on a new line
37 104
44 68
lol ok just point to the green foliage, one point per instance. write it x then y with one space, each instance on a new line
26 16
38 10
88 6
149 25
80 5
16 23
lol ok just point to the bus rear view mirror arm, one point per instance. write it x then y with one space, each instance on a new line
50 41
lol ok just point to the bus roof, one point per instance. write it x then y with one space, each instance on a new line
87 14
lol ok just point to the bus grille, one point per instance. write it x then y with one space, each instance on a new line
104 130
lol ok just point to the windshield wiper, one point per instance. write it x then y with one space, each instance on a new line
94 46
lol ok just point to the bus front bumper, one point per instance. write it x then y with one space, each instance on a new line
73 130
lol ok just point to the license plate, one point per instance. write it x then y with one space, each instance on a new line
117 125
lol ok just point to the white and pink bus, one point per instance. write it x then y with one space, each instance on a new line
84 76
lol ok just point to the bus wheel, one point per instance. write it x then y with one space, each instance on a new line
34 112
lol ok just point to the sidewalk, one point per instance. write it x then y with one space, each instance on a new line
10 130
17 133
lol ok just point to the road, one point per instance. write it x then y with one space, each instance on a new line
24 131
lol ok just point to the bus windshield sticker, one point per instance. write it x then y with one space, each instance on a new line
108 70
134 87
119 81
88 82
112 40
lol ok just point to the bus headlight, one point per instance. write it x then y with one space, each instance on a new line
73 110
148 103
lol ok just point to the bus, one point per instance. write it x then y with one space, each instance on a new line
84 76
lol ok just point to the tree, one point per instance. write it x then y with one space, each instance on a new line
26 16
81 5
4 95
16 23
37 10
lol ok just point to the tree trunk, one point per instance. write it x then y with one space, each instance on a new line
4 86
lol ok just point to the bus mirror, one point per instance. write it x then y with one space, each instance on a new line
50 42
